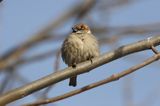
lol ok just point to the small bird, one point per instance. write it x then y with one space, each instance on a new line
81 45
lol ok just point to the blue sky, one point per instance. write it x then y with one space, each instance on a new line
23 18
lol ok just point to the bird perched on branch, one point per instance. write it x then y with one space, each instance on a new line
79 46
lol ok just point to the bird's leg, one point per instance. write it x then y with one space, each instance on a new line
74 65
90 58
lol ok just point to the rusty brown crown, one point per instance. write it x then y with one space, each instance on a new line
81 27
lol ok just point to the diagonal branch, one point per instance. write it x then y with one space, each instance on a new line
10 58
81 68
112 78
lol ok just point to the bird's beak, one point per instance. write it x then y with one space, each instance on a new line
74 30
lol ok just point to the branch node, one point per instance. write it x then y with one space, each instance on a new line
115 77
152 46
149 42
154 50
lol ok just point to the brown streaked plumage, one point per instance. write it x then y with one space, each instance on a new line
78 47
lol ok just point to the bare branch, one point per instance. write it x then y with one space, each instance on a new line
34 58
56 68
13 55
154 50
81 68
128 30
113 77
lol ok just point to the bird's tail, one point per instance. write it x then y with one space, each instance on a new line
73 81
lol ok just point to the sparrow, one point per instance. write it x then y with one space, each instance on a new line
81 45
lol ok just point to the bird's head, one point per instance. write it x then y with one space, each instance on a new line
81 28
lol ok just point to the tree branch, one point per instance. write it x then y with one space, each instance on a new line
10 58
113 77
81 68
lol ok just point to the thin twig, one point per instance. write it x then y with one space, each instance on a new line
13 55
5 81
154 49
35 58
81 68
56 68
113 77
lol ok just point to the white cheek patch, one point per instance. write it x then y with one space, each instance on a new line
78 32
89 31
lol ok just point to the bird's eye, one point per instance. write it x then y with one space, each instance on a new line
74 29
